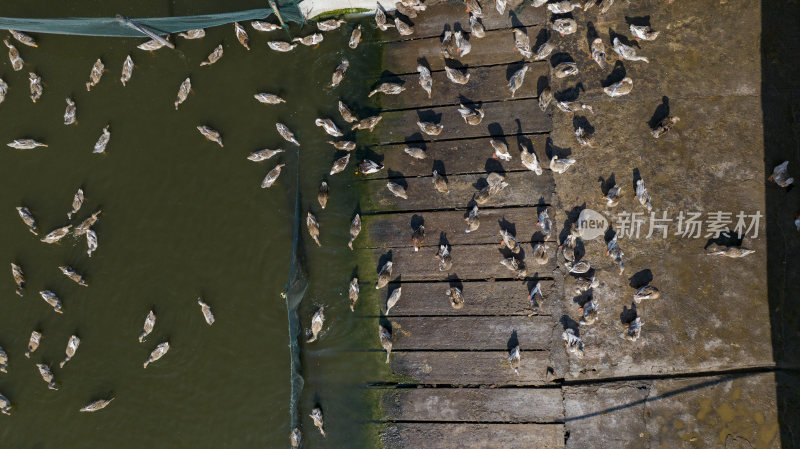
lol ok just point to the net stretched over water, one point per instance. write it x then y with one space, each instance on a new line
113 26
295 290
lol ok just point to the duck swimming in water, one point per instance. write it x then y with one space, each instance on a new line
3 90
241 35
5 405
330 24
19 278
94 76
340 164
213 57
338 74
264 26
780 175
355 37
152 45
72 348
96 405
316 416
310 40
86 224
329 127
157 353
295 438
281 46
352 293
23 38
35 86
183 92
263 155
70 272
266 98
149 323
69 113
198 33
102 141
47 376
13 56
384 275
3 360
516 80
323 194
316 324
286 133
386 340
91 242
206 310
355 229
346 113
313 228
127 71
33 343
56 235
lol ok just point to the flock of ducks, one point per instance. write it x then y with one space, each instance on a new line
83 228
454 45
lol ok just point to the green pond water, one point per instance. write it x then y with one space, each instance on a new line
181 218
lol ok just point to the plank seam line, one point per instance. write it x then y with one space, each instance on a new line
453 209
453 139
417 421
518 134
482 280
378 385
454 245
446 175
449 105
733 372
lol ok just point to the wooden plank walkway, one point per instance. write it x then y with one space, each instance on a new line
452 383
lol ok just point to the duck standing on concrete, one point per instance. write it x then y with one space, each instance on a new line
522 43
380 19
733 252
471 116
560 165
439 183
393 299
599 53
476 28
367 123
431 129
664 125
627 52
643 195
500 150
514 359
509 241
445 260
397 190
456 297
418 237
565 26
588 313
646 292
516 80
384 276
472 219
573 343
644 32
633 329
